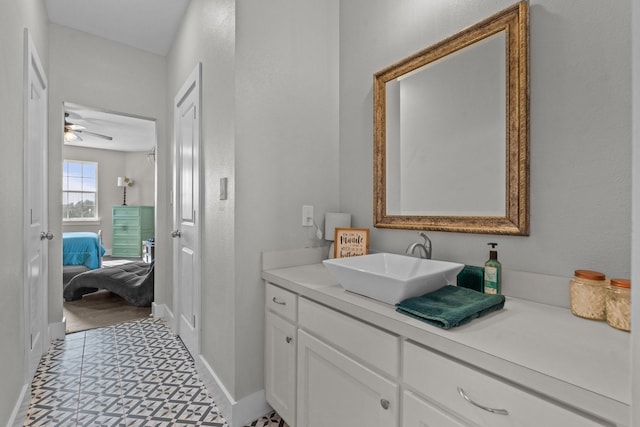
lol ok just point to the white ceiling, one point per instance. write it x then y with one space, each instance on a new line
149 25
129 133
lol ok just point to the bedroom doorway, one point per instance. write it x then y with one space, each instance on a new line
109 192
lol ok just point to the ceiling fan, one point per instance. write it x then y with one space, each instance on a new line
72 130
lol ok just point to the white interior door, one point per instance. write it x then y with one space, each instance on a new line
187 214
37 232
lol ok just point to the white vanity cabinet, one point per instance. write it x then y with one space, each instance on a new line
280 351
417 412
335 390
345 371
358 362
311 383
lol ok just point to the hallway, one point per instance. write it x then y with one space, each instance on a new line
130 374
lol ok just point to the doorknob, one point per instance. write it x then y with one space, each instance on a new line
48 235
176 233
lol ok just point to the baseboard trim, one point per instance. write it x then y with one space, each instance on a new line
21 408
58 330
250 408
237 413
161 311
218 392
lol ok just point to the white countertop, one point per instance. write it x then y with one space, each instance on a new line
543 347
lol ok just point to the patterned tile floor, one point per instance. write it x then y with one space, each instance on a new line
131 374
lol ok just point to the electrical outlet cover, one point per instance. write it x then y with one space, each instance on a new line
307 216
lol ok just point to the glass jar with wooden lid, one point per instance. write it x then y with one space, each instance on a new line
588 296
619 304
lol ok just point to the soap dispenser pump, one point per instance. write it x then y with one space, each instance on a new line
492 272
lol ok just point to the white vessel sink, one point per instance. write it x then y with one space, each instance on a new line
391 278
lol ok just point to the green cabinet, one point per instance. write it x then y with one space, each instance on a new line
131 225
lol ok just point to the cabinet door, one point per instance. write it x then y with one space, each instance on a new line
420 413
336 391
280 366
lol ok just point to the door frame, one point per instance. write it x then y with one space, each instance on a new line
193 83
31 58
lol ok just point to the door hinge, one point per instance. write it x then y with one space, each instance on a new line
31 338
194 321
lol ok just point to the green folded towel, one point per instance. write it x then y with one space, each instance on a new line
471 277
450 306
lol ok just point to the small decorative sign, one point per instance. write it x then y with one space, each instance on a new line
351 242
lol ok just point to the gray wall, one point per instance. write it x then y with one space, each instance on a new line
207 35
286 147
110 76
15 17
580 127
635 251
111 165
271 126
270 111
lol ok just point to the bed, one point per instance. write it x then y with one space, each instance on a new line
82 249
132 281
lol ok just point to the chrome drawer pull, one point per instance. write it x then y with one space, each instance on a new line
492 410
279 302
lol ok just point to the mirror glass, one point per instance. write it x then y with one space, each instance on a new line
451 132
446 145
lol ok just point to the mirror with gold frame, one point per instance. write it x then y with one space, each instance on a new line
451 132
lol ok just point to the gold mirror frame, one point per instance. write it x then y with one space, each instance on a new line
514 21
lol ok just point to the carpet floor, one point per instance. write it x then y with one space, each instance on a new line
99 309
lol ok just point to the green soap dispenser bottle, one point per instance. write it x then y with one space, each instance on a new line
492 272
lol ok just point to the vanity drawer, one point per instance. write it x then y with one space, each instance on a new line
281 301
443 381
371 345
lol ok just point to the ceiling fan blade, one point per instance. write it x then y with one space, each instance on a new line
99 135
72 115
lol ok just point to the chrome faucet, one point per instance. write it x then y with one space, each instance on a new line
423 248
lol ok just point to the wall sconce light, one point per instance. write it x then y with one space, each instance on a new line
124 182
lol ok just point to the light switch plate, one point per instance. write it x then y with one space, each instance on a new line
223 188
